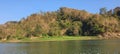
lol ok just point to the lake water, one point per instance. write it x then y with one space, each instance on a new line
63 47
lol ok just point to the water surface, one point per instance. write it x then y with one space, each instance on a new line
63 47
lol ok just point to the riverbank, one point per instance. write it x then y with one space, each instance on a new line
57 38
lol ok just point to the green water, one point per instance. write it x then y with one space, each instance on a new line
63 47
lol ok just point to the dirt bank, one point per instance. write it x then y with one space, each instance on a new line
110 35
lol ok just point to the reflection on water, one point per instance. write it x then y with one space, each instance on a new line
63 47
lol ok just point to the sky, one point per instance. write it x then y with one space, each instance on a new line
14 10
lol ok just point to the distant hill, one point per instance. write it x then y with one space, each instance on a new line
65 21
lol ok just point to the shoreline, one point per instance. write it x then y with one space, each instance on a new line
56 38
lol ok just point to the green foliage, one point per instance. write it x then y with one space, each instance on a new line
54 29
74 29
37 30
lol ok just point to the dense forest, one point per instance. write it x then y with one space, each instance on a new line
64 22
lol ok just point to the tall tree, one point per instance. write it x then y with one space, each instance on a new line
103 11
117 11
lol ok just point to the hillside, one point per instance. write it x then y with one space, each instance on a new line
64 22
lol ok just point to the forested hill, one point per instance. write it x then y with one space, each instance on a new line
64 22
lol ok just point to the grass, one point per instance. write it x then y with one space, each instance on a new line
54 38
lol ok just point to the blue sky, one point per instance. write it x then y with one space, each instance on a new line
14 10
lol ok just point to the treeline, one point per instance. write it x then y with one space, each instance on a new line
63 22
